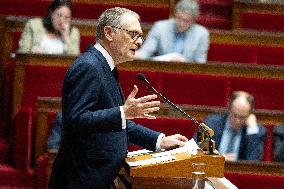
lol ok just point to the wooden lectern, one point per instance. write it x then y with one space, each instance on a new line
175 173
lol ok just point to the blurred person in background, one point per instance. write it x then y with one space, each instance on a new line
278 136
53 141
177 39
238 136
52 34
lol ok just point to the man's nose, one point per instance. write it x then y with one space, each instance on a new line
139 42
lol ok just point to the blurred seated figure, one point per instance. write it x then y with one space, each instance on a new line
52 34
278 136
179 38
53 141
238 136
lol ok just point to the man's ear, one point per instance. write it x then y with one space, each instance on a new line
108 31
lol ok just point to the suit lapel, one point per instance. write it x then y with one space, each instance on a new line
114 85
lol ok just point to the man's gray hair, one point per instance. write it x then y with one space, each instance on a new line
112 17
188 6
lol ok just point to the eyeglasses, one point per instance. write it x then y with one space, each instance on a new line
133 34
61 16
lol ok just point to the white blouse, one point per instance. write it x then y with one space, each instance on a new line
52 45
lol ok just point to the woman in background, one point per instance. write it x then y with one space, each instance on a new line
52 34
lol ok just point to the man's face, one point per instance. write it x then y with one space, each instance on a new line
183 21
239 113
127 39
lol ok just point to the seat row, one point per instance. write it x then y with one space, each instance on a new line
216 14
168 126
38 75
218 51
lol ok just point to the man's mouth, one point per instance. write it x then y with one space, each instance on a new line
133 50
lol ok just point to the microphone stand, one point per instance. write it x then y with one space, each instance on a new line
205 143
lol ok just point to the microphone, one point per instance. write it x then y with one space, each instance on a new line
201 126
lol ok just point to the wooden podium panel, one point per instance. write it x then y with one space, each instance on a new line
171 174
180 167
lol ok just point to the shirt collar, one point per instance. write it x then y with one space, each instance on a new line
107 56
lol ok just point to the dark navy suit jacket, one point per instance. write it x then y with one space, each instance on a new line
93 145
251 146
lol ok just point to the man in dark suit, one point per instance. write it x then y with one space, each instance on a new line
238 136
96 120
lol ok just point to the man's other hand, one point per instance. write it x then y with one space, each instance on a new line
140 107
173 141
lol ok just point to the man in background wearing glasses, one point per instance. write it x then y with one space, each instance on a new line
179 38
97 124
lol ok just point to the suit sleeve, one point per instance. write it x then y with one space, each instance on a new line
25 42
73 48
142 136
254 145
200 55
278 143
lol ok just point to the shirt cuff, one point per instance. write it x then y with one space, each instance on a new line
252 130
123 119
158 144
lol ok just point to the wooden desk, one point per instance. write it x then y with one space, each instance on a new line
255 167
216 68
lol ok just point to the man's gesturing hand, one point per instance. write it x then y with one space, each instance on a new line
140 107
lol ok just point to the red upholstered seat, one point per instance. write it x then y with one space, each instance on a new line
149 13
24 7
85 40
268 93
168 126
10 177
270 55
41 172
232 53
129 78
268 147
255 181
42 81
82 9
267 21
195 89
217 22
22 142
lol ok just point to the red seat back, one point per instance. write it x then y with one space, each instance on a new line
195 89
267 21
268 93
232 53
129 78
42 81
268 146
255 181
168 126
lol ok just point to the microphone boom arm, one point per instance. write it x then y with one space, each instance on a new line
201 126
